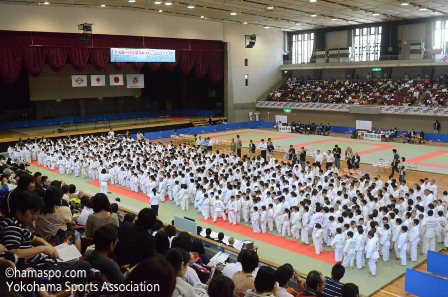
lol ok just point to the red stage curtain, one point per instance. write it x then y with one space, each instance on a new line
34 58
154 66
186 61
201 64
171 66
10 64
99 57
57 58
78 57
138 66
216 70
119 65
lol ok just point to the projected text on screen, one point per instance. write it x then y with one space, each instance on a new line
142 55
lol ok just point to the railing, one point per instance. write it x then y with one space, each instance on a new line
351 59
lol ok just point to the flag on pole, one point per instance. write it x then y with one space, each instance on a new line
98 80
79 81
116 80
135 81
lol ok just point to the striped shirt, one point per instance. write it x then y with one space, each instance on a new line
332 288
13 235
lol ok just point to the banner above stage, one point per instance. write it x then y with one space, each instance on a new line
142 55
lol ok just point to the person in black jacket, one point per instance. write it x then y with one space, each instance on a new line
291 153
355 161
302 157
395 163
337 156
135 241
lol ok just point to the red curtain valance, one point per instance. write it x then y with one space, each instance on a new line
34 59
35 49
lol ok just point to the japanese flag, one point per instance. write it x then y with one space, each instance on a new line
98 80
79 81
135 81
116 80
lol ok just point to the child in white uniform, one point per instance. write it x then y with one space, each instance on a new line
104 181
349 251
318 238
338 244
255 219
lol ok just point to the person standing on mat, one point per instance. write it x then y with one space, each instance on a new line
337 156
302 157
263 147
251 149
104 181
238 146
395 163
154 198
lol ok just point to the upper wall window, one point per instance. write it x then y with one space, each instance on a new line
302 47
440 35
366 43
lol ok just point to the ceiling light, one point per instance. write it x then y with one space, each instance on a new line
297 24
103 5
233 13
168 3
46 3
160 10
404 3
423 9
202 16
312 1
334 19
270 7
157 2
190 6
375 14
267 27
244 23
131 1
313 15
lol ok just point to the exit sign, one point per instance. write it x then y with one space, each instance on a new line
377 69
287 110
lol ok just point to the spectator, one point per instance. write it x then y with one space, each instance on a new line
264 283
314 285
135 241
350 290
231 242
101 216
220 238
184 241
154 270
54 218
244 280
333 286
221 286
283 274
87 210
162 243
171 231
105 239
23 209
231 268
208 233
198 248
179 259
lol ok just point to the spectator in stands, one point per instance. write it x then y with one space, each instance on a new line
264 283
152 270
208 233
314 285
101 216
135 241
157 226
231 241
198 248
54 218
162 242
25 184
4 188
23 209
171 231
87 210
179 260
283 274
105 239
244 280
221 286
184 241
350 290
220 238
231 268
333 286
